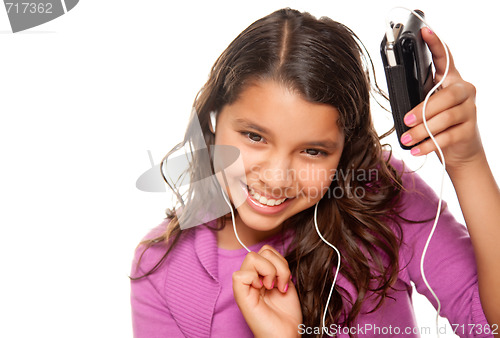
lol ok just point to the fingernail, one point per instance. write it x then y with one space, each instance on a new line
272 285
406 138
415 151
261 282
290 277
410 119
429 31
286 287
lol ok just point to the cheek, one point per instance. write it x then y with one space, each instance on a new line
251 160
314 181
228 159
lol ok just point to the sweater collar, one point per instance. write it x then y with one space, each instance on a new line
205 244
192 284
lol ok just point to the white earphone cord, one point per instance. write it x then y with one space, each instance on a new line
232 212
424 108
336 271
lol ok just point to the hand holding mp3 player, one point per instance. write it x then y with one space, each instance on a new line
408 69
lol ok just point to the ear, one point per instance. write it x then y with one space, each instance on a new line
213 121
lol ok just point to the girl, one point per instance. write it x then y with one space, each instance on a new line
292 94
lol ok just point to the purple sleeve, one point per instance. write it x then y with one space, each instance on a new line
150 314
449 264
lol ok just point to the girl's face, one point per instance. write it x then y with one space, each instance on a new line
290 150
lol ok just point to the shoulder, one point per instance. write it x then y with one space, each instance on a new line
417 210
151 253
418 201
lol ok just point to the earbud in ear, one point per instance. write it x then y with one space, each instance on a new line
213 121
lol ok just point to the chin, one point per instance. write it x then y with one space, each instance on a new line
259 223
263 222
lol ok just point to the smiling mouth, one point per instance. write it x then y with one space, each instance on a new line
271 202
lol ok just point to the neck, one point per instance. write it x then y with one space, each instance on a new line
226 239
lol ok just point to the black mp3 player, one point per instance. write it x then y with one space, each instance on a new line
408 69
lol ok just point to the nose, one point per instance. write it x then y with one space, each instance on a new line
277 173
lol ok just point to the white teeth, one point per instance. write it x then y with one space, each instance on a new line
263 200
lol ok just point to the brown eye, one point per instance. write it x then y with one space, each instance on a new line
254 137
315 152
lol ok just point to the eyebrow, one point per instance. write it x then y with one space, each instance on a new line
247 124
323 144
250 125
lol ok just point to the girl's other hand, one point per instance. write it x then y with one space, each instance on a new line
450 114
266 295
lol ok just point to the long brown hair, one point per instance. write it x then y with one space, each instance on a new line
325 62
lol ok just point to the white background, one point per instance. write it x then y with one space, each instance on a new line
82 99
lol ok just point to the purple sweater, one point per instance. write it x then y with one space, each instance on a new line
190 295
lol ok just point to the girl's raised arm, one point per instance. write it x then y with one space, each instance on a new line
451 117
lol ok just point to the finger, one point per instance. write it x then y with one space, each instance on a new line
445 99
268 247
451 136
243 279
439 123
261 266
246 288
439 54
282 269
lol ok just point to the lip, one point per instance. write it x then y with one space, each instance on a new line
268 196
262 193
264 209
